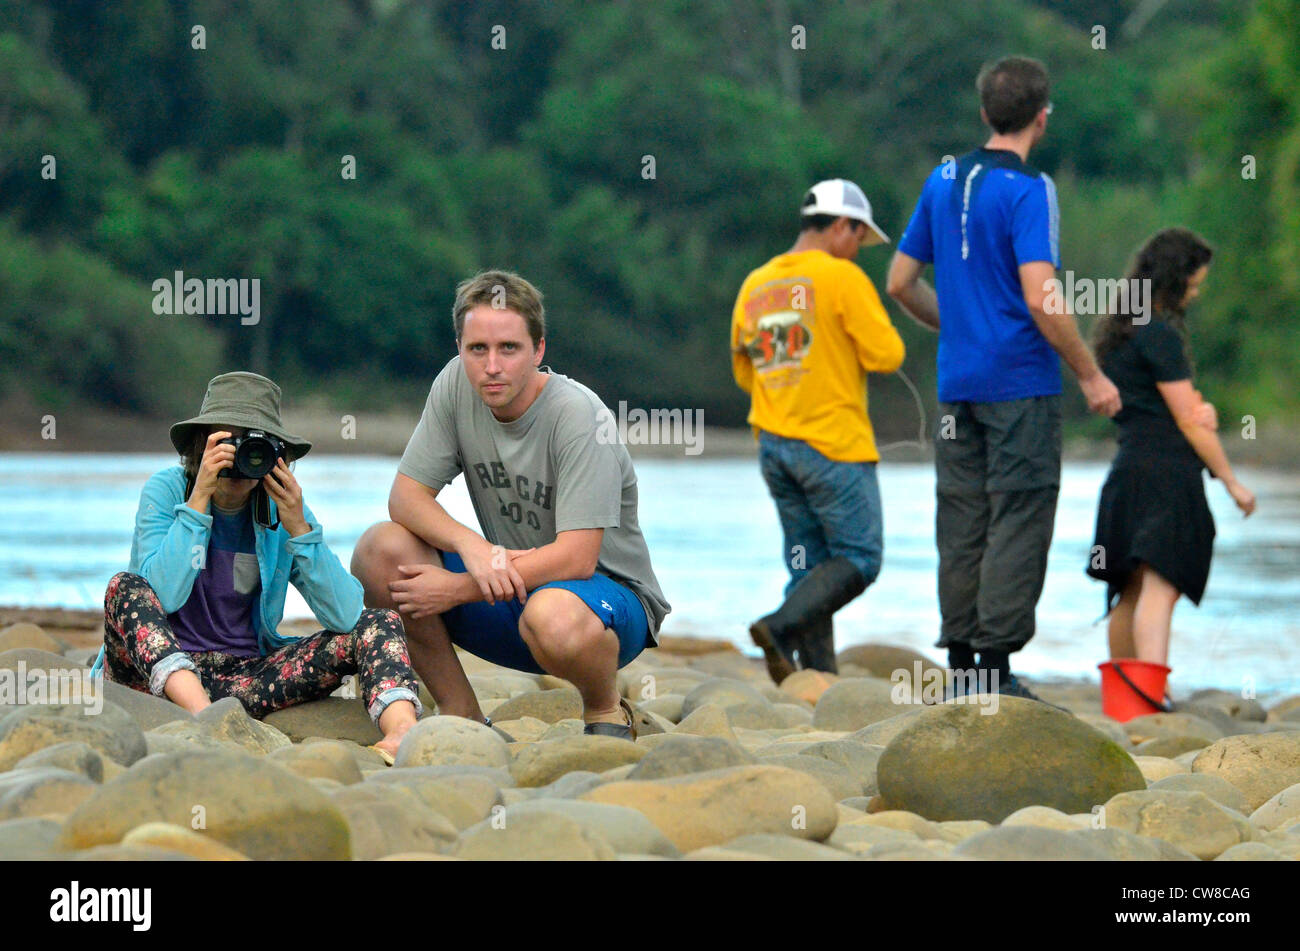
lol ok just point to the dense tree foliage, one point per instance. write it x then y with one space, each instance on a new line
633 159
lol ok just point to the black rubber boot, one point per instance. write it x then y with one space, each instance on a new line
822 592
818 646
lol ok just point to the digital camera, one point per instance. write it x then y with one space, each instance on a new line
256 453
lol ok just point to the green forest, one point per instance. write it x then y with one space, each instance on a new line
633 159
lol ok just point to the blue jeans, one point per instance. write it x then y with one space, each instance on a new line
828 509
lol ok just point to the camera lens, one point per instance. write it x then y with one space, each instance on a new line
255 457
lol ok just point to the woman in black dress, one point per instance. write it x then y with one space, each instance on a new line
1155 534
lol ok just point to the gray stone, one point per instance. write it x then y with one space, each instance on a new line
1252 852
1233 704
855 702
145 709
788 849
679 754
226 723
533 836
387 818
1032 843
444 740
837 779
626 830
24 730
464 798
25 840
335 718
1216 787
42 791
538 764
1259 765
859 759
330 759
881 732
247 803
76 756
549 706
1189 820
721 692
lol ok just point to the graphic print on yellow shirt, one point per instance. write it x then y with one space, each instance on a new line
778 334
806 329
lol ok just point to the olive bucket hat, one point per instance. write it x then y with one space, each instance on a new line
239 399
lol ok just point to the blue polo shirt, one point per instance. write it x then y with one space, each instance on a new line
977 223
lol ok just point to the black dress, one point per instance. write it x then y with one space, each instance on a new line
1152 506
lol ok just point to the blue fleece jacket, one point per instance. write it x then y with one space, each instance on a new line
168 535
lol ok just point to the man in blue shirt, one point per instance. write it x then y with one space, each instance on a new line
989 223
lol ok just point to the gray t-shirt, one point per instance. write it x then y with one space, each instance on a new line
546 472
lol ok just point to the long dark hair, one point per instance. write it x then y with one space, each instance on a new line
1167 260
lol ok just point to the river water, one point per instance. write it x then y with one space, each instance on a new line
716 547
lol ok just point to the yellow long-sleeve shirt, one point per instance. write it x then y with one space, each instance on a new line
806 329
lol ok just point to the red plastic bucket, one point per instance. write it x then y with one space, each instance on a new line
1132 688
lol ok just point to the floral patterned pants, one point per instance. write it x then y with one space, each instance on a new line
141 651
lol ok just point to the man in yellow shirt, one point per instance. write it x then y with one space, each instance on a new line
807 328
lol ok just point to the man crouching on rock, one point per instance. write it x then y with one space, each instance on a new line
562 582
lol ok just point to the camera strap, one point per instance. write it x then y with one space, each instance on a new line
262 508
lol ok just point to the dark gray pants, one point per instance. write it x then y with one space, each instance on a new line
998 473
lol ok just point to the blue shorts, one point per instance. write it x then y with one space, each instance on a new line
491 631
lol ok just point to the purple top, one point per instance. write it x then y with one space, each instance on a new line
219 613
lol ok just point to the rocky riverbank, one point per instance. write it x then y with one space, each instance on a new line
727 766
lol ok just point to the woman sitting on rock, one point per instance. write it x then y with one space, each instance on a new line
1155 534
214 551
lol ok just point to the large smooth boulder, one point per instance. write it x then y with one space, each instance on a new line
329 759
1032 843
74 756
549 706
1280 812
23 840
714 807
882 731
42 791
464 798
227 724
174 838
887 660
855 702
450 741
1233 704
335 718
679 754
1216 787
533 835
1260 765
249 804
145 709
956 762
626 830
384 819
1190 820
31 636
721 692
25 730
538 764
837 779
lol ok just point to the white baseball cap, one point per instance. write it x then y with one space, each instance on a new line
841 198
